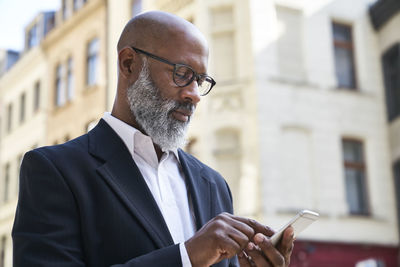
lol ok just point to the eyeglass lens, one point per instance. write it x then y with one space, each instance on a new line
184 75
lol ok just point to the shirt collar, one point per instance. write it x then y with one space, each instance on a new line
130 134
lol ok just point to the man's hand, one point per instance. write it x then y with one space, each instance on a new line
263 253
222 237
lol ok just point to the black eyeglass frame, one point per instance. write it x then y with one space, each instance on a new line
195 76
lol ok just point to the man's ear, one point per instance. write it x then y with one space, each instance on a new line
126 59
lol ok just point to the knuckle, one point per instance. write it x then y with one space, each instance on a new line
280 261
219 225
221 216
252 221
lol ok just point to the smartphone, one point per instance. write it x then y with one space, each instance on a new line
299 222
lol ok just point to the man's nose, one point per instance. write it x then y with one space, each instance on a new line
191 93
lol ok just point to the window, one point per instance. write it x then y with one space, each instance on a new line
6 182
36 97
344 58
19 162
136 7
3 251
355 177
223 44
391 71
9 117
77 4
92 61
290 48
60 86
22 108
396 171
70 79
65 9
33 38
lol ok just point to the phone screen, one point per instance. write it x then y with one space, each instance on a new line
300 222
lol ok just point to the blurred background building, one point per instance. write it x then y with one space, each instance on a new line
305 114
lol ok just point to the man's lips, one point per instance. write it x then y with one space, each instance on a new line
182 115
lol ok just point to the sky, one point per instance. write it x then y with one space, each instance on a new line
15 15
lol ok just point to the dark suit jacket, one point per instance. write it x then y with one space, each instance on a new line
85 203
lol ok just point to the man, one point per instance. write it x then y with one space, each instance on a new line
124 194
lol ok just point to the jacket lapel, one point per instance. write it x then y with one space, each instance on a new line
123 176
200 189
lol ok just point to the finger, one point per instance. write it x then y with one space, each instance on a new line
286 244
270 252
256 255
237 223
243 261
240 238
258 227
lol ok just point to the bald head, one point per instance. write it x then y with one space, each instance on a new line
154 29
170 38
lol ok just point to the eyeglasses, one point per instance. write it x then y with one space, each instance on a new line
183 75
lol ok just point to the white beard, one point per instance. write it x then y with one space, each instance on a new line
153 114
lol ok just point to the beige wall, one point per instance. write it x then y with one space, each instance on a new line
24 135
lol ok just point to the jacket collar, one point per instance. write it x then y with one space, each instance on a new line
122 174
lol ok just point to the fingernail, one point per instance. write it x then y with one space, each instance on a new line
250 246
258 238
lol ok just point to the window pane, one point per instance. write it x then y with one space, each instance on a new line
341 32
33 37
355 191
355 179
60 86
22 108
70 79
352 151
36 101
391 68
9 117
344 67
344 57
92 61
136 7
6 182
3 251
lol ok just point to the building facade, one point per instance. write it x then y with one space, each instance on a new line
77 74
323 129
23 109
305 114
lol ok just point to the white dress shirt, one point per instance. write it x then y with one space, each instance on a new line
165 180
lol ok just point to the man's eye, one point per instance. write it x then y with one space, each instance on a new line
183 74
180 75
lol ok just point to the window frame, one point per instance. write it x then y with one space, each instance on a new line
6 181
358 166
60 95
349 45
22 108
9 125
70 86
36 96
92 60
393 109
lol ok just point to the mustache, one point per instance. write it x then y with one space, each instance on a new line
186 106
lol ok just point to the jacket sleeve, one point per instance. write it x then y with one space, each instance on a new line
46 229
